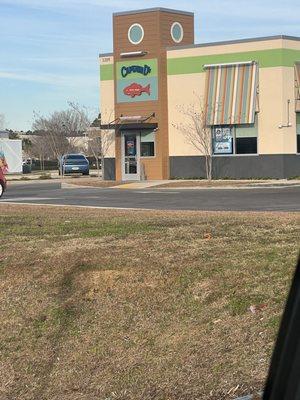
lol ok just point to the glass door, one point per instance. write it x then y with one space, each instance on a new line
130 156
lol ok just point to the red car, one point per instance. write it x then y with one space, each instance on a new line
2 183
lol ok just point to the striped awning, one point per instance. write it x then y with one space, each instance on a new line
297 86
231 93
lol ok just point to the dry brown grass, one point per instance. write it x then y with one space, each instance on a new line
93 182
102 304
213 183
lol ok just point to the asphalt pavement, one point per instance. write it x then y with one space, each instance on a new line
262 199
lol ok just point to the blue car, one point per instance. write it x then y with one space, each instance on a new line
74 163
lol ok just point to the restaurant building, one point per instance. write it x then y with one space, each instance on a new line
159 89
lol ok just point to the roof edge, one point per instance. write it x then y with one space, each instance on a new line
105 54
155 9
225 42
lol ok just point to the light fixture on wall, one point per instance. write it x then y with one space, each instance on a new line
288 125
133 54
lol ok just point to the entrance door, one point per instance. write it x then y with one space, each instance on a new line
130 156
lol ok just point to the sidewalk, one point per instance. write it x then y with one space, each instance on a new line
141 184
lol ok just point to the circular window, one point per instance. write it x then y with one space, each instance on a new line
177 32
135 33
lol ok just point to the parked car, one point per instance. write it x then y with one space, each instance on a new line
74 163
2 183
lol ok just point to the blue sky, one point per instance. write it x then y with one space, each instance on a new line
49 48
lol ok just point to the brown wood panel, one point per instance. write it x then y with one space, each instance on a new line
150 43
166 21
157 37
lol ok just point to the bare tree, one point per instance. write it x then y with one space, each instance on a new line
196 132
39 149
62 131
100 141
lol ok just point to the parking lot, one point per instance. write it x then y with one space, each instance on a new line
258 199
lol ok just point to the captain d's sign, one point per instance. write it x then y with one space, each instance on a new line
137 80
139 69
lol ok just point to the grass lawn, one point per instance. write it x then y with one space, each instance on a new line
90 181
113 305
215 183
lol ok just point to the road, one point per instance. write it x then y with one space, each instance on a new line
263 199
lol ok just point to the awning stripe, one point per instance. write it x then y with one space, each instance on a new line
252 105
231 94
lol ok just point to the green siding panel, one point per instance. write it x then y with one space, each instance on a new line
107 72
298 123
246 131
265 58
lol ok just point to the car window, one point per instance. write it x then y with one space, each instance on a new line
75 157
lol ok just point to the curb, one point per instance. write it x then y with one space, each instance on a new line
128 187
263 186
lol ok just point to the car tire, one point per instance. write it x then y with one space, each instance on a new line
1 189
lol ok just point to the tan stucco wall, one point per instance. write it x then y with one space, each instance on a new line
183 94
107 108
107 101
227 48
291 44
276 86
289 134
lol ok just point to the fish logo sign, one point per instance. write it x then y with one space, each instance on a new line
136 89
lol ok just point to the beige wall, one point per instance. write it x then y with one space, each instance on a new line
107 94
107 108
183 94
289 134
232 48
276 87
107 98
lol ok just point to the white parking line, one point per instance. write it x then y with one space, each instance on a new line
155 192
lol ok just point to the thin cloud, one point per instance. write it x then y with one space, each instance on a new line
68 4
83 81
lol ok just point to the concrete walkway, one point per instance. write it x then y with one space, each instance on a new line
141 184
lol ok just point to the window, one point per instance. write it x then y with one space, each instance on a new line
135 33
298 131
177 32
238 139
222 140
147 144
246 138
